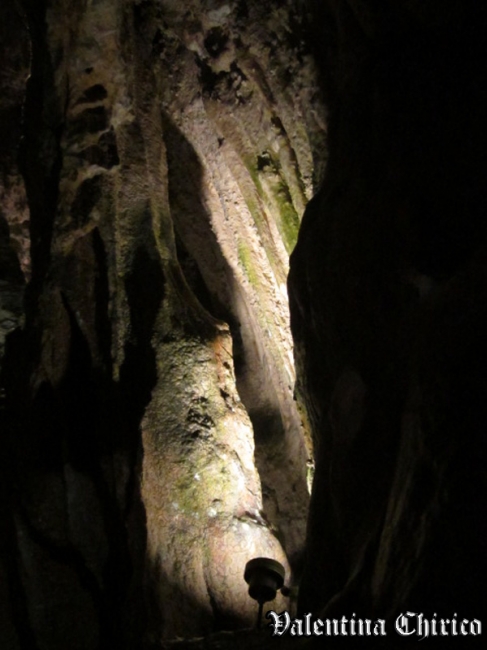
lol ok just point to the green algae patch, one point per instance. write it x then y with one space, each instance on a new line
272 189
245 259
288 223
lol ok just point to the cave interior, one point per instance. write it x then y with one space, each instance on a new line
243 293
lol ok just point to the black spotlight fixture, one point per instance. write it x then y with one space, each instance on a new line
265 577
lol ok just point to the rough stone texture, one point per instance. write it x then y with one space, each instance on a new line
388 304
241 133
14 55
167 151
165 171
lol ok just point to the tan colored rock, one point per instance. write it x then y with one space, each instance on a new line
166 172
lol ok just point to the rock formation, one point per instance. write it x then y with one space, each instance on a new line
156 159
388 294
165 152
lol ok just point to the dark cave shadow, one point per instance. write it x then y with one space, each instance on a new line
10 270
113 411
429 83
90 423
102 421
144 287
40 166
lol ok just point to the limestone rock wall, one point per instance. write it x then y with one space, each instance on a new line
156 158
151 441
